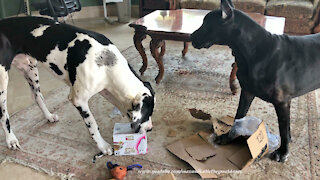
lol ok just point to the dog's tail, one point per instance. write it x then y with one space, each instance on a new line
6 52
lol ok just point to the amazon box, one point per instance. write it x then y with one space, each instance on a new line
211 160
126 142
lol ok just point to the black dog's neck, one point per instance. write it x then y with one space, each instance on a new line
248 38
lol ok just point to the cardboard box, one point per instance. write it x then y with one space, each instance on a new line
126 142
209 161
222 125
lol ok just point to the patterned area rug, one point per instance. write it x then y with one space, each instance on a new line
200 80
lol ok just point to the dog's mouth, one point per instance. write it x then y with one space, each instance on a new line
138 128
202 45
135 127
207 45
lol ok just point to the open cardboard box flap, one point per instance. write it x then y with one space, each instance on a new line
222 125
236 155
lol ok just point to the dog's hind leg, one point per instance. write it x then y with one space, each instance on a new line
283 113
246 99
29 68
11 139
80 100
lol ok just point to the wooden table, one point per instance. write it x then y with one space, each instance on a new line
178 25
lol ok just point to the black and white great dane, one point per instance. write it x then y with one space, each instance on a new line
87 61
275 68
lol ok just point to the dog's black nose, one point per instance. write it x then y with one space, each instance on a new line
135 126
137 130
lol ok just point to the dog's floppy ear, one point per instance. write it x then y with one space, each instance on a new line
136 102
148 85
227 9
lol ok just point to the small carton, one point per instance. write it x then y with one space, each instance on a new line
126 142
209 161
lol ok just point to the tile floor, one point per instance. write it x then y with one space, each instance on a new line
19 95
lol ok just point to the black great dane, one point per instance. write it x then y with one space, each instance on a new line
275 68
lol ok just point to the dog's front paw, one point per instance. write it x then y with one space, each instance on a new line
278 156
234 87
13 142
53 118
105 148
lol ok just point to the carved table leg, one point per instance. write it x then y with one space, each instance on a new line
137 39
185 48
155 44
232 79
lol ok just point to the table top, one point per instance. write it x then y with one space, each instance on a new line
186 21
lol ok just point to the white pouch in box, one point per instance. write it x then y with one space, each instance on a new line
126 142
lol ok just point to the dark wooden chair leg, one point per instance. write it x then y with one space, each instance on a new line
232 79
